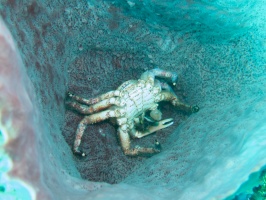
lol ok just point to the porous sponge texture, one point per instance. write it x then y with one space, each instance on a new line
209 158
90 48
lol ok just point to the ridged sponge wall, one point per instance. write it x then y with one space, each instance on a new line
217 49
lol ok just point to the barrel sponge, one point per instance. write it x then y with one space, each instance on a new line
91 47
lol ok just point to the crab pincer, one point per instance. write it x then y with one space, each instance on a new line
161 125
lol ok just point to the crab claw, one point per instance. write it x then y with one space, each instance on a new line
161 125
165 123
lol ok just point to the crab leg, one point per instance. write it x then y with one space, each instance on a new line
151 129
84 109
172 76
169 96
167 87
91 101
125 143
86 121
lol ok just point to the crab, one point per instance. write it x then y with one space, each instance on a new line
128 106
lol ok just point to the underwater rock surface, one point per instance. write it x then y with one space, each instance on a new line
89 48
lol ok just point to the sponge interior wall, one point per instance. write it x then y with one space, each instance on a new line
91 48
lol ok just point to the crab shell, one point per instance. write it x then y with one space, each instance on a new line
136 97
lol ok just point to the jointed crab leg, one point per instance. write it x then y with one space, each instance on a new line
114 93
169 96
125 143
90 120
84 109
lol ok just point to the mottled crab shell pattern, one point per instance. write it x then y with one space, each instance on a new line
139 96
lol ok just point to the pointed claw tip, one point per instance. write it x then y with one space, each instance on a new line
169 124
168 121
